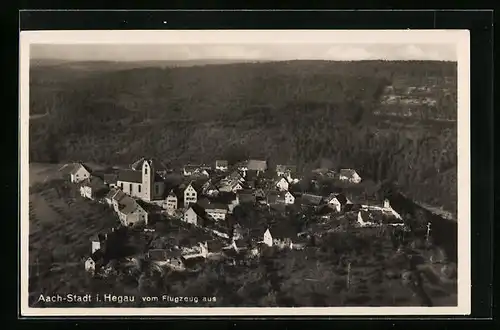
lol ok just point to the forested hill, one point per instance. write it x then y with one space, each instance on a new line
297 111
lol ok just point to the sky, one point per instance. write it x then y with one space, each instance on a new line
262 52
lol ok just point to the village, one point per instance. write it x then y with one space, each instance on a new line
211 203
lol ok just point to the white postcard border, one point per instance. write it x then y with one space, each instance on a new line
238 37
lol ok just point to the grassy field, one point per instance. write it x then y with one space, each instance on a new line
61 224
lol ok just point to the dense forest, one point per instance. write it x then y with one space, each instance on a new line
299 112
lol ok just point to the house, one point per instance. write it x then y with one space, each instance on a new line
159 166
285 197
165 258
349 175
230 186
221 165
93 188
110 179
146 183
267 238
282 184
377 217
337 201
131 213
171 202
217 211
191 192
78 172
189 169
94 262
257 165
98 242
209 188
211 248
288 171
116 196
202 172
195 215
234 176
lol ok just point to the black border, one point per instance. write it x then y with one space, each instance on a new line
480 24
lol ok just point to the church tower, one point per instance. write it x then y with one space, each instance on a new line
148 175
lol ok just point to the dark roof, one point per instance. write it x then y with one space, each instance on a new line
130 176
98 255
251 175
154 162
159 254
283 229
119 195
214 246
110 178
127 205
76 166
199 210
221 163
340 197
246 196
259 165
311 199
225 197
286 168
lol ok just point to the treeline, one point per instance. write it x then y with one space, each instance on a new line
298 112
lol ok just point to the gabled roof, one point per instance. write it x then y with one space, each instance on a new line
195 184
190 167
224 163
94 182
340 197
119 195
110 178
130 176
259 165
198 210
76 166
127 205
286 168
347 172
154 162
310 199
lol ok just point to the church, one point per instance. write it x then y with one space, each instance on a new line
144 180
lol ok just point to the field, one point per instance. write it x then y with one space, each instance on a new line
61 224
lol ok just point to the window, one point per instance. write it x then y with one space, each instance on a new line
146 170
121 185
139 188
130 187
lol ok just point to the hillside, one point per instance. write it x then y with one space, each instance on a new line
298 111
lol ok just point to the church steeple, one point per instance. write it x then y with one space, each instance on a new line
148 175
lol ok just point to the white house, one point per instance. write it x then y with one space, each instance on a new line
90 265
79 173
131 213
171 202
216 211
92 188
287 171
221 165
190 194
337 201
146 183
230 186
195 215
282 184
268 238
289 198
349 175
